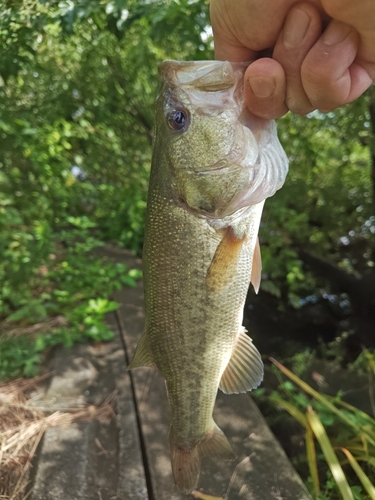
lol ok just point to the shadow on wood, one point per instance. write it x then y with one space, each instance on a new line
262 471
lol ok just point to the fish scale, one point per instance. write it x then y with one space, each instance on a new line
199 255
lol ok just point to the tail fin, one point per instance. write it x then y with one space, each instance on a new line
185 467
186 462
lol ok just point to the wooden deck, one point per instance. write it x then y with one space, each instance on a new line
261 472
136 462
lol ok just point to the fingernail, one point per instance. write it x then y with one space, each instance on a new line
295 28
262 86
336 33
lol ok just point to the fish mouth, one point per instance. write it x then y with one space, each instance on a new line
219 217
219 204
223 167
229 165
219 166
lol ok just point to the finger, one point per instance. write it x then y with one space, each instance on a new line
245 27
302 28
361 15
330 75
265 89
229 27
231 50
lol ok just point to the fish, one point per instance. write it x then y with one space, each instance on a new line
213 166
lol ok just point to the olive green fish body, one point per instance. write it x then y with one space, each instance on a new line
191 326
209 178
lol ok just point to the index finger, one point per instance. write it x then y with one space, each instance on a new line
361 16
243 28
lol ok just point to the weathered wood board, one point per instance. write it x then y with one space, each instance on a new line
93 459
132 461
261 471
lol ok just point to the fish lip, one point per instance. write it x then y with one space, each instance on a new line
214 219
199 213
223 221
235 214
222 166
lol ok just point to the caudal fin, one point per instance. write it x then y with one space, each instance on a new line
186 462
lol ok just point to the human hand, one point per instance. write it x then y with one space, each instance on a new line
310 68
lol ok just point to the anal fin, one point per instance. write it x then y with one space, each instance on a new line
186 462
143 355
216 444
244 370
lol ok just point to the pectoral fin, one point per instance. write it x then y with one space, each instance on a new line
244 371
224 263
143 354
256 270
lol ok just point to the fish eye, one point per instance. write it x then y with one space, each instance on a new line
178 119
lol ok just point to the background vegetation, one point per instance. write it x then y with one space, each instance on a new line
78 79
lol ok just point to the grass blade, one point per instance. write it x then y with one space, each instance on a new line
291 409
366 458
356 411
367 430
329 454
311 459
366 483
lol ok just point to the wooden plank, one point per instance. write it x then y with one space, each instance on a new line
261 472
90 459
153 408
131 482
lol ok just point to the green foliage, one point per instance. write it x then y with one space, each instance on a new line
72 283
19 21
326 205
345 434
85 99
77 86
18 356
78 81
365 363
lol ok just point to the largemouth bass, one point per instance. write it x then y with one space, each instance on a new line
213 166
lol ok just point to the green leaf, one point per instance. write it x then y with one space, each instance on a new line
367 431
271 287
366 483
329 454
311 459
34 311
101 306
291 409
135 273
127 280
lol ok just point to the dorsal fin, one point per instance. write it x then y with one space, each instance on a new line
224 263
244 370
256 269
